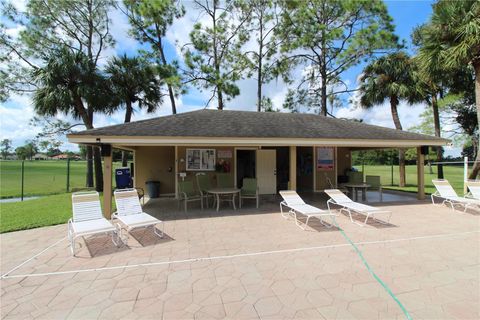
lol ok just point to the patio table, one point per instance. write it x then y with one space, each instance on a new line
217 192
354 187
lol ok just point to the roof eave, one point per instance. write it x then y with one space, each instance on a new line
239 141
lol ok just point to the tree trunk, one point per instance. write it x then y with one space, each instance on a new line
220 99
87 121
324 96
128 118
476 166
401 152
260 60
97 158
436 121
97 161
171 93
89 173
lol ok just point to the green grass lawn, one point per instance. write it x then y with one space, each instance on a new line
41 177
46 211
453 174
41 212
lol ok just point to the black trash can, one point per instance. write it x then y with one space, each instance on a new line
153 189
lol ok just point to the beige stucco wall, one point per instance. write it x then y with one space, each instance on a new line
191 174
342 161
155 163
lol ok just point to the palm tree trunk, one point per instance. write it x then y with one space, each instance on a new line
401 152
128 118
436 121
97 162
476 165
87 121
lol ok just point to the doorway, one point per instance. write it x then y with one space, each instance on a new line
246 164
304 168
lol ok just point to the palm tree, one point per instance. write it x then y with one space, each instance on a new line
132 81
68 84
390 78
451 40
432 85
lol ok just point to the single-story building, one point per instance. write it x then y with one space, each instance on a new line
282 150
40 156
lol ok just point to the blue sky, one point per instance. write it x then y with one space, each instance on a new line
16 112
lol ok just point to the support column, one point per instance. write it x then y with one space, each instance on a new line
176 172
293 168
107 183
420 174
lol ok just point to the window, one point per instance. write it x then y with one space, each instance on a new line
200 159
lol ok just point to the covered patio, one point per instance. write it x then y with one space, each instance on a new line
302 152
250 264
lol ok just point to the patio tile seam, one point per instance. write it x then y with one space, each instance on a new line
222 257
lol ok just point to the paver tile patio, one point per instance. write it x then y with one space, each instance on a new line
251 264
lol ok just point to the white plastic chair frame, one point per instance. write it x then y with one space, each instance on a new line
293 202
128 205
474 189
87 213
446 192
347 205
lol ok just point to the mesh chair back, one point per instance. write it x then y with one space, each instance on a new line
203 182
474 187
355 177
291 197
86 206
249 186
373 181
127 202
186 187
444 188
338 196
224 180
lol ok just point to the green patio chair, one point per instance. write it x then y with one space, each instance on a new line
355 177
204 184
224 180
375 184
188 193
249 190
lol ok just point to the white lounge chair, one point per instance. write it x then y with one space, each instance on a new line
88 219
338 198
130 213
295 203
449 196
474 189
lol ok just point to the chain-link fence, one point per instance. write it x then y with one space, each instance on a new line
41 177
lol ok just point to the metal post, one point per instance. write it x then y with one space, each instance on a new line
23 176
68 174
465 174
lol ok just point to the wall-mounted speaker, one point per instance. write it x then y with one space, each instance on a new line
106 150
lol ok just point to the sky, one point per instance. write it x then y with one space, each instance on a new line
15 114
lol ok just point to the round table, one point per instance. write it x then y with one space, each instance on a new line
354 187
217 192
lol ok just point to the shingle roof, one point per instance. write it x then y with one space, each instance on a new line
246 124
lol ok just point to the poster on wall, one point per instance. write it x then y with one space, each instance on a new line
200 159
325 158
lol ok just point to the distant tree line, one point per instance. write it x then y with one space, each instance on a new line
309 44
